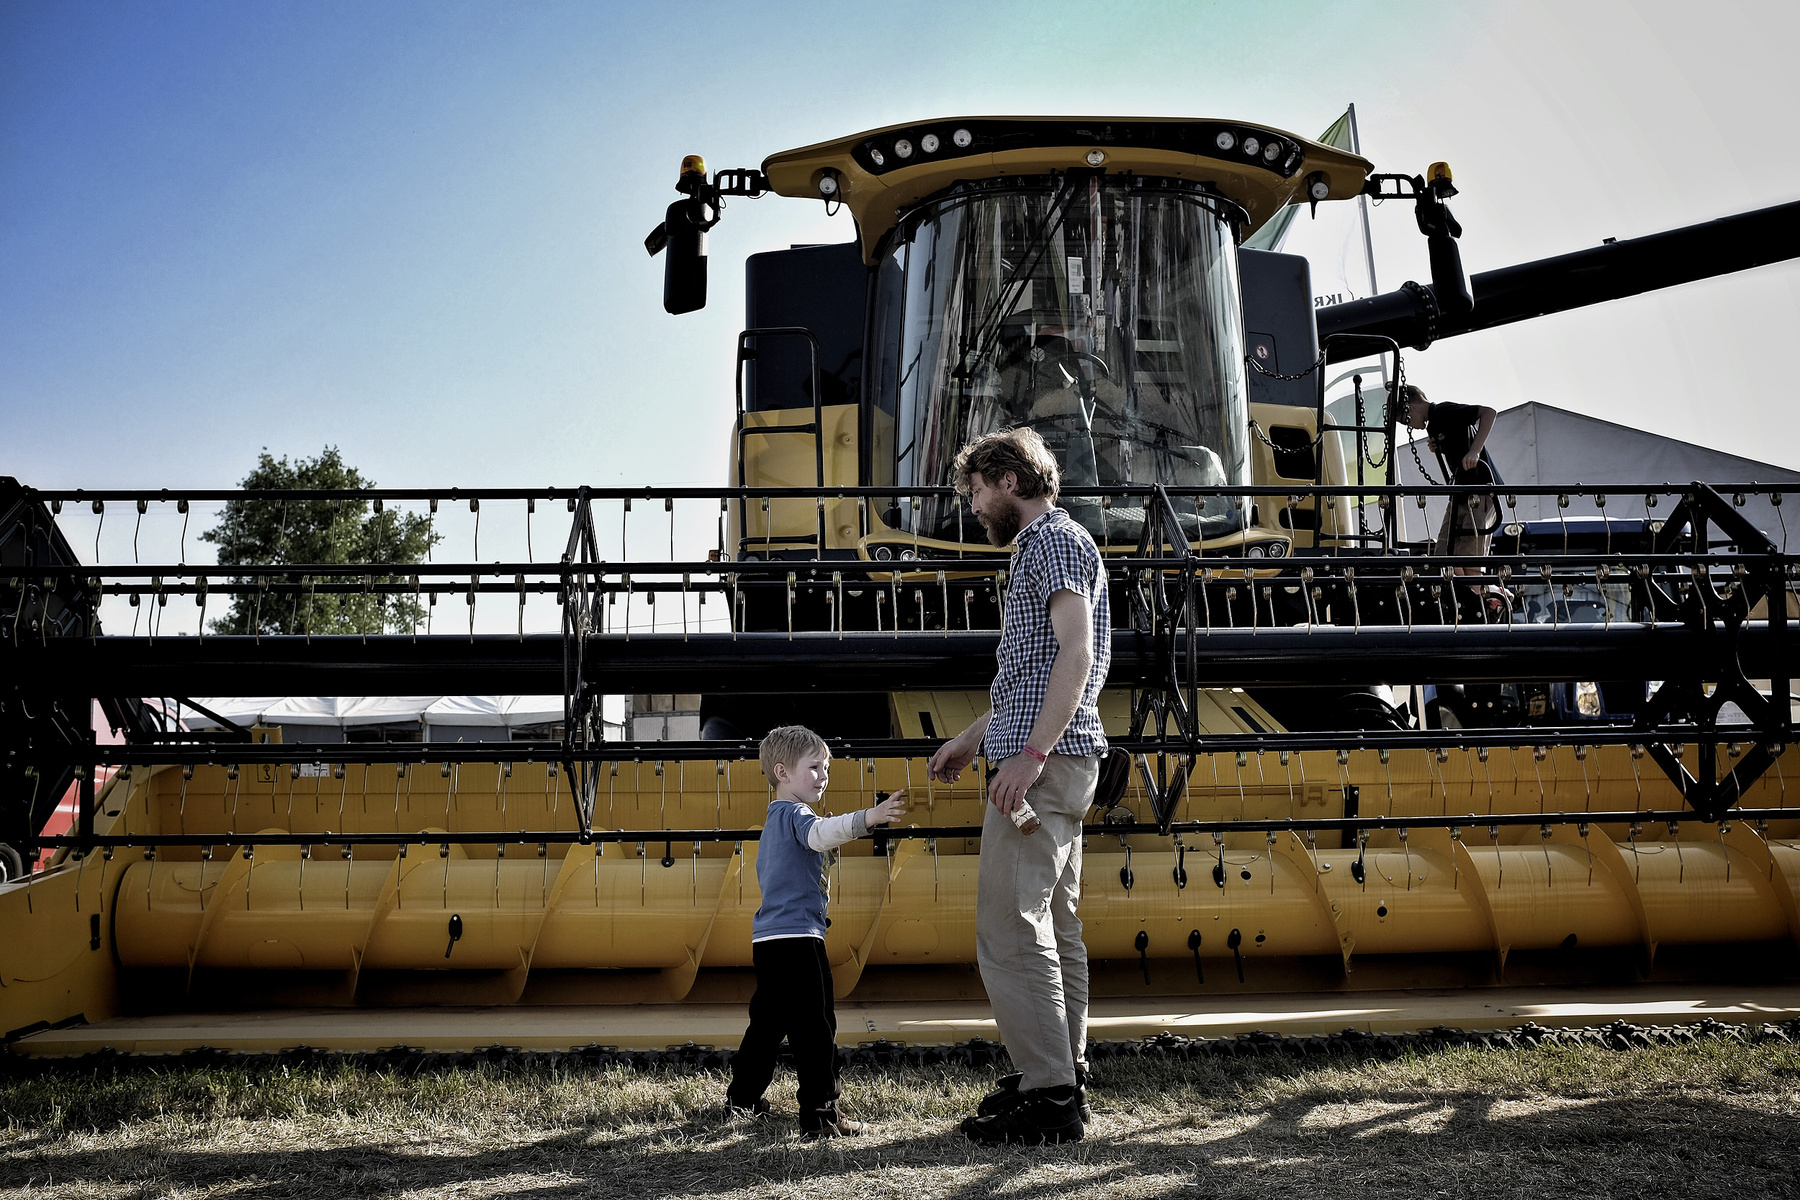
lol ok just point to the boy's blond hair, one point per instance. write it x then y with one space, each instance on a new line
1021 451
785 744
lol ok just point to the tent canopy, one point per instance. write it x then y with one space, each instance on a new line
343 712
1542 444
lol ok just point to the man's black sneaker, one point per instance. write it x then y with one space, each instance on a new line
1033 1118
758 1107
1002 1097
1006 1094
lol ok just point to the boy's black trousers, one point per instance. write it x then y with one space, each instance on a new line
792 1000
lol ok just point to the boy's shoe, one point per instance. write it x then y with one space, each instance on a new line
758 1107
1035 1117
828 1122
1006 1095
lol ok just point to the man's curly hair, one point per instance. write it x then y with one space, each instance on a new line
1020 451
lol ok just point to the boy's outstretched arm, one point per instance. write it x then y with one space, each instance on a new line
827 833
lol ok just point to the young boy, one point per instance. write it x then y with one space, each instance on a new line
793 978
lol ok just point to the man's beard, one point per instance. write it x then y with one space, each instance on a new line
1002 526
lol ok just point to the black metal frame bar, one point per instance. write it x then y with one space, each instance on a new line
213 753
56 497
1154 612
564 837
581 614
1166 581
554 577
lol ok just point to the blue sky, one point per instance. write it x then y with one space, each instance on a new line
413 230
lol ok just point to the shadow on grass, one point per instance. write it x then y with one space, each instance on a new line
1265 1128
1474 1144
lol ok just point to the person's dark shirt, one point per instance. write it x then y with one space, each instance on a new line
1452 428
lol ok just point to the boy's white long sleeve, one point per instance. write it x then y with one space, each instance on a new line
828 833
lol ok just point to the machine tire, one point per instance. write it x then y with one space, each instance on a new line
1443 716
12 866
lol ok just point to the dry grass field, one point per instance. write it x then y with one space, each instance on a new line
1713 1118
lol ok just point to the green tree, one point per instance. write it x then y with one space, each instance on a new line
274 532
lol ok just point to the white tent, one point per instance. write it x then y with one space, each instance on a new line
332 712
239 710
509 711
1542 444
488 718
343 712
441 718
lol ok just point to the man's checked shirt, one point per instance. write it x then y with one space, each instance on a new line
1054 554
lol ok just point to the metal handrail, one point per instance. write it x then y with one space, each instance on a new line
817 428
60 496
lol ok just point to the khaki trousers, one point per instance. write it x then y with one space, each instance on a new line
1464 517
1027 936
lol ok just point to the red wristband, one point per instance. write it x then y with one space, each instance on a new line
1042 758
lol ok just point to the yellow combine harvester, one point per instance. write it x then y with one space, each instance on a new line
1295 826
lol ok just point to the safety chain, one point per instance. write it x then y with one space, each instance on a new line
1317 363
1264 438
1266 373
1413 442
1375 464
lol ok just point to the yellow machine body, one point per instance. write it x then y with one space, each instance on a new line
610 923
787 460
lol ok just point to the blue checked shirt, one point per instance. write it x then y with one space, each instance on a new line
1054 554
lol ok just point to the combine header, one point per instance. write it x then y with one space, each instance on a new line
1295 822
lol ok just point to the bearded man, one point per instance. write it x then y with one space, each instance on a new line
1043 734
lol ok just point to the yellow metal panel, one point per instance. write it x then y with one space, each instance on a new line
1337 514
571 911
918 908
1309 1012
782 460
877 200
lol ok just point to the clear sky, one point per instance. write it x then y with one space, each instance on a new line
414 230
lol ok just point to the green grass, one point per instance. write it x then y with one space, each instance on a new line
1715 1117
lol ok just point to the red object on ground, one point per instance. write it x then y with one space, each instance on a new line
62 821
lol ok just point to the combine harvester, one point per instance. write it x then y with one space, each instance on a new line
1295 851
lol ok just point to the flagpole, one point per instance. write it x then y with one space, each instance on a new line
1362 204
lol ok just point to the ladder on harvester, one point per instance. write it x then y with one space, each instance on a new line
744 431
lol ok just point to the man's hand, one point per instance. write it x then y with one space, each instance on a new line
947 764
1010 783
889 810
1470 460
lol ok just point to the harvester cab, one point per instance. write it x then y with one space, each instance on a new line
1084 278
